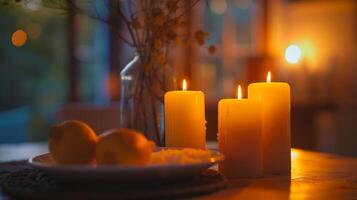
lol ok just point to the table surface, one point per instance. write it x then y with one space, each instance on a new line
314 176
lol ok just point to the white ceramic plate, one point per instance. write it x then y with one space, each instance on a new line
122 173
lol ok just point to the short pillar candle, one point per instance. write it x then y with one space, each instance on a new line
185 123
239 137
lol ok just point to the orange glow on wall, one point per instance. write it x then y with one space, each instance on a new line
19 38
320 40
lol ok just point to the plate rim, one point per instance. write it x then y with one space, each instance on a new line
218 156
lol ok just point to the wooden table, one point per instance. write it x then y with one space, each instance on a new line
314 176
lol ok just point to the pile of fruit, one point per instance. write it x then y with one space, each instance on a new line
75 143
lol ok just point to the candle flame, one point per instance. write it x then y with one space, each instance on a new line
269 77
184 85
239 92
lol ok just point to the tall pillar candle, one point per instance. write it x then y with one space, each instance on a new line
239 137
275 99
185 123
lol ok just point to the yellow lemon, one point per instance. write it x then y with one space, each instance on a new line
72 142
123 146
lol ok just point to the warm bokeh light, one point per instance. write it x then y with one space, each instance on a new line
239 92
19 38
34 30
269 77
243 4
113 86
184 85
293 54
219 7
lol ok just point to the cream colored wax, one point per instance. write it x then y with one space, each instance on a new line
185 123
275 100
239 137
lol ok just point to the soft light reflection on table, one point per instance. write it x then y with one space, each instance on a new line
314 176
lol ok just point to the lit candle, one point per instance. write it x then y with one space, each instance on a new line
239 137
185 118
275 99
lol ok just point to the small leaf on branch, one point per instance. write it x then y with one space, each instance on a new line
212 49
200 37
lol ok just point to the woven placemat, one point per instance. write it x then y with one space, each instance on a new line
20 181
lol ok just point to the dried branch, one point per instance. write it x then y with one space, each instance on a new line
127 23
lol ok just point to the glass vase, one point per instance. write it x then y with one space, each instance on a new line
142 98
